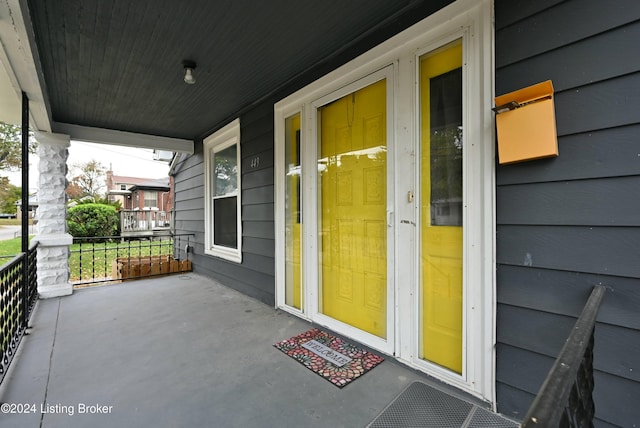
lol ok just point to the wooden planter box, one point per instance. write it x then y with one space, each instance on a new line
136 267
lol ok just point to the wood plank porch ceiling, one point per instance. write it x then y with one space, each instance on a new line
117 64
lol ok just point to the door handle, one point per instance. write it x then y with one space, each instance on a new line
389 218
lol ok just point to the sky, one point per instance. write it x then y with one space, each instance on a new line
127 161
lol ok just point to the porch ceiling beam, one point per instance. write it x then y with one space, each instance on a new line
123 138
9 101
21 66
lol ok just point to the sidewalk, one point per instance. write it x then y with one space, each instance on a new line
9 232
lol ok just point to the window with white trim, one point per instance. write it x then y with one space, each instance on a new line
223 225
150 199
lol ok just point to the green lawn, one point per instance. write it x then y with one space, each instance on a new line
96 260
10 247
89 260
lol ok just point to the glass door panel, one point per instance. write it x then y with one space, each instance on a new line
293 214
441 211
352 168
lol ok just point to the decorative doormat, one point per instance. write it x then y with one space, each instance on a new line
329 356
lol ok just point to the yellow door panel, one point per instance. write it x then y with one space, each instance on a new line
353 197
441 210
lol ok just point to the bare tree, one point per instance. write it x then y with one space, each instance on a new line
89 178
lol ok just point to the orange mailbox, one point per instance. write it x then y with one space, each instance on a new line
526 124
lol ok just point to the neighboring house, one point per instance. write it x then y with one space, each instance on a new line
118 188
152 194
338 161
140 193
33 207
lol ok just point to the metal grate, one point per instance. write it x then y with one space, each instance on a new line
482 418
420 405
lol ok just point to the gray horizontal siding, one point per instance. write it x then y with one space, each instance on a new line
258 212
194 185
603 250
610 103
564 293
617 350
577 58
258 178
534 331
189 164
530 345
259 246
191 204
188 189
258 195
616 399
194 214
189 195
260 263
185 226
565 224
529 369
568 22
515 400
264 159
259 229
521 9
583 203
259 128
255 275
232 275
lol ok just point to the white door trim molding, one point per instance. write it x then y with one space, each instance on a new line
471 20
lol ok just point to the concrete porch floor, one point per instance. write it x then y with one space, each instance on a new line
180 351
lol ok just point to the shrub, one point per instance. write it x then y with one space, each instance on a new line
90 220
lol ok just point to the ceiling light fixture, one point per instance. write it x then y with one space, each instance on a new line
189 66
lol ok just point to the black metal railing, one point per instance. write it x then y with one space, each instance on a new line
18 295
114 258
566 396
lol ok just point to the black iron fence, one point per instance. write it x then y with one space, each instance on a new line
114 258
18 295
566 396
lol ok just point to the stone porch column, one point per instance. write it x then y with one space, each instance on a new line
53 239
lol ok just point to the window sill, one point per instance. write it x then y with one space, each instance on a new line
226 254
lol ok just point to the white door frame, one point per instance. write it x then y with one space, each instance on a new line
312 260
473 21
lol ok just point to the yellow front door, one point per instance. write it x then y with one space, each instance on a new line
352 165
441 207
